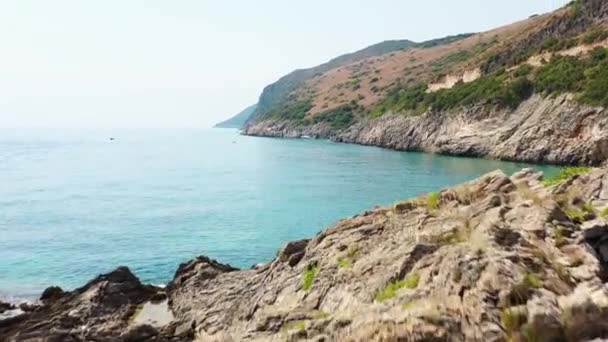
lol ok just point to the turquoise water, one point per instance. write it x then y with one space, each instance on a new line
75 204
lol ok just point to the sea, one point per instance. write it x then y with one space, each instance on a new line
78 203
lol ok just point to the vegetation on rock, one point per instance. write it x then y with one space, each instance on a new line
308 277
565 174
390 290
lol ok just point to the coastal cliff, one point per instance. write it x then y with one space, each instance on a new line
531 91
544 130
495 259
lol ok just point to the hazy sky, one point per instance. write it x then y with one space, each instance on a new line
153 63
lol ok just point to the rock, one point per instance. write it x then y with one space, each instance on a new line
6 306
488 268
202 267
404 207
158 297
28 307
594 229
141 333
51 294
539 130
603 251
104 305
293 252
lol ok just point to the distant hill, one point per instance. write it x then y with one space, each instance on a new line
238 120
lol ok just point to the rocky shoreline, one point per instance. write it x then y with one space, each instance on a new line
541 130
495 259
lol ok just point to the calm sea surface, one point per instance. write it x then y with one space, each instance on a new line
74 204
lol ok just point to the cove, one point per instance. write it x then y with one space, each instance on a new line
75 204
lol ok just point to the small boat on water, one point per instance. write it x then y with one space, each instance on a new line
306 137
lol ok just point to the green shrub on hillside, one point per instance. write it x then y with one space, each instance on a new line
498 89
553 44
523 70
308 277
293 110
561 74
595 90
495 89
401 100
337 118
565 174
599 54
596 35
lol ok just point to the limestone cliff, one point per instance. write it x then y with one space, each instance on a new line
549 130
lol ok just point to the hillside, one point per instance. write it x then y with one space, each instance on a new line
239 119
276 94
466 96
499 258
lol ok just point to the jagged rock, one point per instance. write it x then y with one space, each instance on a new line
142 333
51 294
100 309
28 307
594 229
293 252
5 306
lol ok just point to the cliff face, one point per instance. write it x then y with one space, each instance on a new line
542 129
499 258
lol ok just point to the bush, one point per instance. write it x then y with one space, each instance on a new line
293 326
402 100
292 110
308 277
598 54
553 44
595 90
523 70
344 262
561 74
596 35
565 174
512 320
337 118
390 291
575 215
496 89
432 201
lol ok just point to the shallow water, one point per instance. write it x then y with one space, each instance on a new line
154 314
74 204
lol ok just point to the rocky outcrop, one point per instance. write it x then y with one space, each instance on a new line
495 259
5 307
98 311
286 129
542 129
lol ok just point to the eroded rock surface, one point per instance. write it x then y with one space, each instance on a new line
496 259
542 129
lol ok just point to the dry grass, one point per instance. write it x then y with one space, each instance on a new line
353 82
527 193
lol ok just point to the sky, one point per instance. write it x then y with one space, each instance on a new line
192 63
